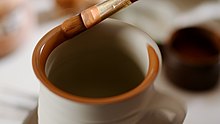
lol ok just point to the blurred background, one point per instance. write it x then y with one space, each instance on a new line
24 22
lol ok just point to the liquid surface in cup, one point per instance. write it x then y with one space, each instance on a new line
94 72
195 45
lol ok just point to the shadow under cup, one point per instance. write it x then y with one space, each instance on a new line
98 64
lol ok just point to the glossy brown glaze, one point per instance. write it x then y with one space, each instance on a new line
55 37
192 58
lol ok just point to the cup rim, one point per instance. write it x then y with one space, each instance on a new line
56 37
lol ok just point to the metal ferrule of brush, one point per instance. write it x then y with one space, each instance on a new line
95 14
111 6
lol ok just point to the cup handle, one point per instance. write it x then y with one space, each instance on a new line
163 110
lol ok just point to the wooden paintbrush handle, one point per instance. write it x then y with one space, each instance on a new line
92 16
97 13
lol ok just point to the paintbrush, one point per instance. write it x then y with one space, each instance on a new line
92 16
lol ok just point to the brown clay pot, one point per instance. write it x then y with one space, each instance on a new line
192 58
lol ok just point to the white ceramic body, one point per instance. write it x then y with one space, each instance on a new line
141 105
56 110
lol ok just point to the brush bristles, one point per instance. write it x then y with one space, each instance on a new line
133 1
73 26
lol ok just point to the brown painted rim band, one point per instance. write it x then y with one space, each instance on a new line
56 37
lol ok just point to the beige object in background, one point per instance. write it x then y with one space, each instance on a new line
8 5
16 20
63 8
76 5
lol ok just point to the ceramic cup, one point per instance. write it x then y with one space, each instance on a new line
102 76
192 58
